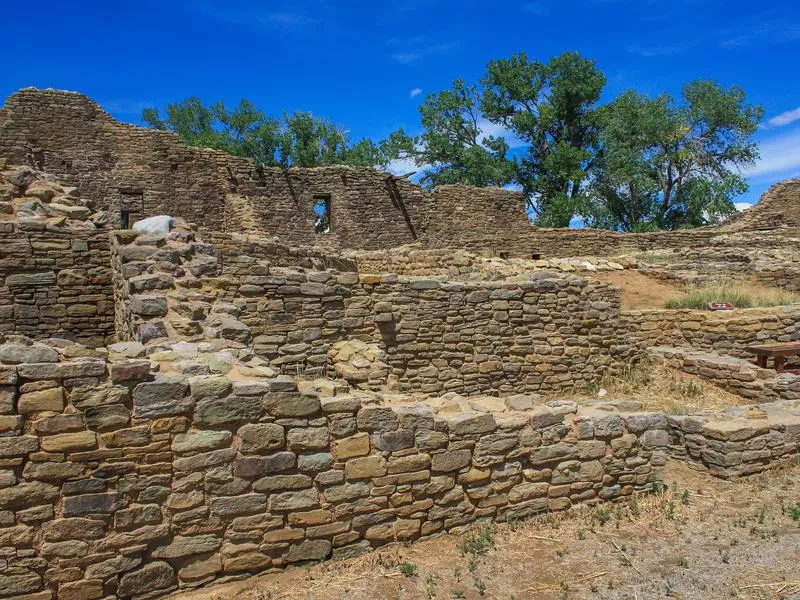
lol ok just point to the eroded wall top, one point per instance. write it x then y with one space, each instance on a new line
136 172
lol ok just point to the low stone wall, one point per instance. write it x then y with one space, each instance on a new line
133 478
55 281
551 333
739 441
735 375
725 332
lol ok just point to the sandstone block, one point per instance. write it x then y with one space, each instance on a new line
365 467
260 437
45 400
291 404
182 546
357 445
69 442
200 440
153 576
451 460
292 501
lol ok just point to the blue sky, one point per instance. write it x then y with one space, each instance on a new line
368 65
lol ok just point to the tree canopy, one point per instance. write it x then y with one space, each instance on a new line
665 165
296 139
454 144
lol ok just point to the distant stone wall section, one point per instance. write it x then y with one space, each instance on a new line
723 332
55 281
778 208
143 172
551 333
735 375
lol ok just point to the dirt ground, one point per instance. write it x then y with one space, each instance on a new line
698 538
640 291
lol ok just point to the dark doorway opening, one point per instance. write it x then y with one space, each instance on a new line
124 219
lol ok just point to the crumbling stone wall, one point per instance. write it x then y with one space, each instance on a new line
145 172
550 333
736 375
778 208
118 480
727 333
55 281
738 441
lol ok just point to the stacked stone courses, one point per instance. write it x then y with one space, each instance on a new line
551 333
143 172
247 394
120 480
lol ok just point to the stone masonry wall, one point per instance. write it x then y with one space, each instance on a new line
120 480
727 333
736 375
55 281
145 172
550 333
738 441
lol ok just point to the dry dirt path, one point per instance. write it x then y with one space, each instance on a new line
700 538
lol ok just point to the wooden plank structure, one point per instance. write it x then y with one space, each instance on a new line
778 352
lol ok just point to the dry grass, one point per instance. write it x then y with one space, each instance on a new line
742 294
659 387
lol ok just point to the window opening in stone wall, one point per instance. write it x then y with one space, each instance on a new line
124 219
322 214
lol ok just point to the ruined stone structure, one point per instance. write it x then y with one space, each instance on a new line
246 394
134 172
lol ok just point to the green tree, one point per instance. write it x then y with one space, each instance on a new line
454 145
666 165
551 107
295 139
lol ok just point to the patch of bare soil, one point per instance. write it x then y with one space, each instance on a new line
640 291
698 538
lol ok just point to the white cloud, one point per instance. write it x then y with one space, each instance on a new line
401 166
785 118
766 33
489 129
405 58
416 48
740 206
415 92
780 157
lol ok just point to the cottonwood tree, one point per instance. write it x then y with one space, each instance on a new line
294 139
664 164
551 107
453 144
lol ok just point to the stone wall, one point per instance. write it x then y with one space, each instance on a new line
131 478
741 440
736 375
725 332
779 207
55 281
550 333
143 172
